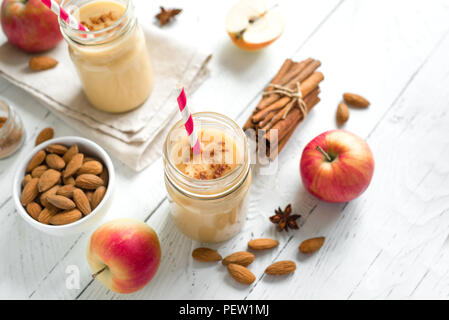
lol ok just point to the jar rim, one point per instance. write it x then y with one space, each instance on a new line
89 37
237 174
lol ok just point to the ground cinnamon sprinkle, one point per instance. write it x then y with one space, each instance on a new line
100 22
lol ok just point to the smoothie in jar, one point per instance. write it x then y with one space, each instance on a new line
111 59
208 193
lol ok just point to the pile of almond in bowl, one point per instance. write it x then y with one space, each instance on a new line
62 185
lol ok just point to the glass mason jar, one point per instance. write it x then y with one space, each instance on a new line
112 62
11 130
205 210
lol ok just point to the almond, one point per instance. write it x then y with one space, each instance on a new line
61 202
242 258
241 274
26 179
281 268
342 113
56 148
88 181
66 191
30 191
97 196
73 165
42 63
46 214
44 135
46 194
105 176
36 160
70 153
66 217
69 181
87 159
54 161
206 255
311 245
262 244
38 171
89 195
355 100
48 179
33 209
81 201
92 167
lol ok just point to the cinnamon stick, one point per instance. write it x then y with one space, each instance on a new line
278 116
281 144
308 70
305 87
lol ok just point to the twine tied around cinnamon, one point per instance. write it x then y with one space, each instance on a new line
295 94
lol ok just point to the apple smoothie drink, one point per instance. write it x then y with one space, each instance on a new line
111 59
208 193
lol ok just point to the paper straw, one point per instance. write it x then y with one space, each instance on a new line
188 121
60 12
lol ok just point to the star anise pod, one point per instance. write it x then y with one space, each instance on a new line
284 219
166 15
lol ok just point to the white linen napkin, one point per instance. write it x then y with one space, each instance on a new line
134 137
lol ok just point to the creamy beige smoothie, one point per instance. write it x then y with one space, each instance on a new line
112 61
209 201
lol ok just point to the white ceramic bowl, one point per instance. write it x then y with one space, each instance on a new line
87 147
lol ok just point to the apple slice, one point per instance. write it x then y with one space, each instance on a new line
252 26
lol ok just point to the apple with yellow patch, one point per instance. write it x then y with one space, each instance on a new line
253 26
124 254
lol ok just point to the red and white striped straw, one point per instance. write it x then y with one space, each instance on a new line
188 121
60 12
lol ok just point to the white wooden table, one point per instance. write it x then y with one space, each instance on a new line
392 242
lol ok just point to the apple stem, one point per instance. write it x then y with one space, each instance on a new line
324 153
98 272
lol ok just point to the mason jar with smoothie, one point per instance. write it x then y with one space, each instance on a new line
111 58
208 192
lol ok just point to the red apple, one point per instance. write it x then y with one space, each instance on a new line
124 254
30 25
336 166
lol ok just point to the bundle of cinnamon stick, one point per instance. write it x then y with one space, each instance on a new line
292 93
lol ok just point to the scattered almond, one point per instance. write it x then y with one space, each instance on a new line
38 171
33 209
73 166
42 63
70 153
88 181
342 113
355 100
81 201
48 179
61 202
243 258
241 274
281 268
56 148
91 167
54 161
36 160
206 255
97 196
311 245
66 191
262 244
30 191
44 135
